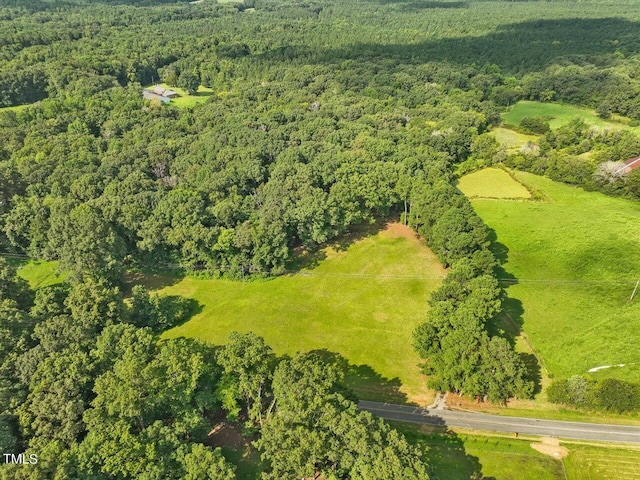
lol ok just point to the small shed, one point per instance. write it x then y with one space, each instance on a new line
164 92
149 95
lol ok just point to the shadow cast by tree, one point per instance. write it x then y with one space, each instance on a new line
361 382
446 453
516 48
310 259
151 281
509 322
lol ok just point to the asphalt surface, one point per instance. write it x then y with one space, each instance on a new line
498 423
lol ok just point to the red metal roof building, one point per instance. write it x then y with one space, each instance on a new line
632 164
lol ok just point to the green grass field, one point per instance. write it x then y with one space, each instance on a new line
560 115
462 456
361 302
586 462
40 273
575 259
492 183
511 139
185 100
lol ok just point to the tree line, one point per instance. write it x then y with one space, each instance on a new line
460 354
605 394
88 387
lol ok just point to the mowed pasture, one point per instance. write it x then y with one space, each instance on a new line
570 264
360 300
600 463
559 115
511 139
492 183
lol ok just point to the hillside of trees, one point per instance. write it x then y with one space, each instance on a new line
323 115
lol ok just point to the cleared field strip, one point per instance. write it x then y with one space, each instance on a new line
492 183
559 115
361 302
570 264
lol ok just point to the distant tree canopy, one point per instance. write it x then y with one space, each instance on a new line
312 126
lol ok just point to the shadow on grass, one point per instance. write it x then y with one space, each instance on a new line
499 250
236 446
307 259
179 310
445 452
151 281
361 382
508 323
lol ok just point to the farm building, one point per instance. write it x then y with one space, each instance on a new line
626 167
164 92
150 95
632 164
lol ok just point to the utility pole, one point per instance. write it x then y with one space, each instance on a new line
634 290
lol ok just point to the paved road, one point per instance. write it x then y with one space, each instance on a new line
499 423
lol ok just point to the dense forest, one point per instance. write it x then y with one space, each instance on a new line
312 126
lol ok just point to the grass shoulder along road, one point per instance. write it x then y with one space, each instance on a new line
455 456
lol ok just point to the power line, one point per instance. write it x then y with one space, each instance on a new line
503 280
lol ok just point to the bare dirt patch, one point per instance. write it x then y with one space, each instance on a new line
551 447
398 230
227 434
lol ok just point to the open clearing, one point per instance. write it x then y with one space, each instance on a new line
492 183
361 301
559 115
570 265
511 139
40 273
185 100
